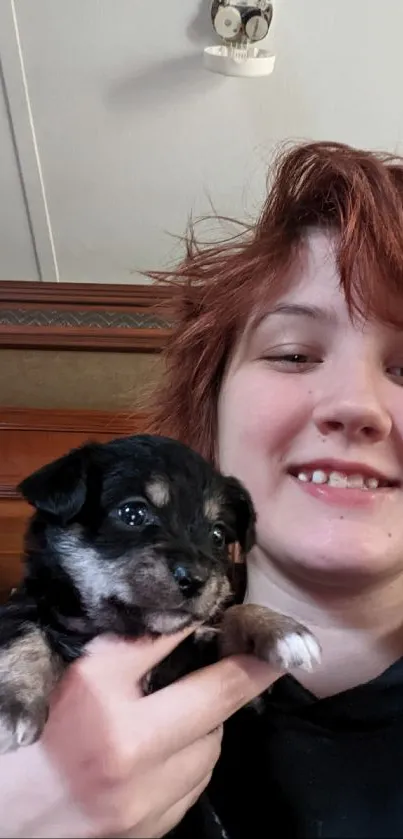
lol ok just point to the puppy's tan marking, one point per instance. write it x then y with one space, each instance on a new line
212 508
157 491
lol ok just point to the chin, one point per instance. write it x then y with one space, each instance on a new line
344 568
350 560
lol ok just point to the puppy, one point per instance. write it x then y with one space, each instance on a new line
130 537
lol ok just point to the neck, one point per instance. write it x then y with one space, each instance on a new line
360 630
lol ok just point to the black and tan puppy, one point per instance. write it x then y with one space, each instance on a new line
130 537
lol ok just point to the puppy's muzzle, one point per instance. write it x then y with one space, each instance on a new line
190 579
192 567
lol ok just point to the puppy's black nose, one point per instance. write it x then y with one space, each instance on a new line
189 581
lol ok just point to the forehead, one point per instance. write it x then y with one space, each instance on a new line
209 503
312 293
167 479
313 281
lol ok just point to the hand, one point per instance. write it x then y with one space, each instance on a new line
114 762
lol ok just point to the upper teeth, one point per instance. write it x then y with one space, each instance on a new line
338 479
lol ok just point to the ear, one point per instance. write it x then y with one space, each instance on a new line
60 487
245 517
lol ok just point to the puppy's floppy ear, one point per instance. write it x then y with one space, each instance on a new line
59 488
241 503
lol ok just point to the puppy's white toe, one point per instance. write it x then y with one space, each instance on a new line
296 649
26 731
18 732
7 737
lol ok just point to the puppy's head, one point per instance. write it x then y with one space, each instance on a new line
140 528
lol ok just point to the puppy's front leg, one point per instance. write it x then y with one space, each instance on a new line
279 640
29 670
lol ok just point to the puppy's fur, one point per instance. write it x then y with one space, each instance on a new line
130 537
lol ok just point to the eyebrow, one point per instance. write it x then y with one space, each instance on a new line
298 310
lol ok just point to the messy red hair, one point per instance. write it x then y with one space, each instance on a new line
216 287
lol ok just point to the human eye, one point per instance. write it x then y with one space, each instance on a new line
292 360
395 371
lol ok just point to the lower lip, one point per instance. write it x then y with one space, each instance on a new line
343 497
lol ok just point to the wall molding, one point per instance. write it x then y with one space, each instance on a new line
84 316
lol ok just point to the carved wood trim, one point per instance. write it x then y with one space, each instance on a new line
84 316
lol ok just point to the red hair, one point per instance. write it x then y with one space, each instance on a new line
214 290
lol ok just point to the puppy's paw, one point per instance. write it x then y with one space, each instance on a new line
279 640
296 648
20 726
28 672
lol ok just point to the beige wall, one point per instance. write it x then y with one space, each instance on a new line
102 381
132 134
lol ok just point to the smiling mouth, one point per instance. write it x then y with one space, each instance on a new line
340 479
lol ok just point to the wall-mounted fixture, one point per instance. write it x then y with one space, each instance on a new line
240 25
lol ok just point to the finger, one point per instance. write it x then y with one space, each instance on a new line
159 825
158 788
193 763
128 659
174 776
188 709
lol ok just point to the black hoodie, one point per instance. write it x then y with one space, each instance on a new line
307 768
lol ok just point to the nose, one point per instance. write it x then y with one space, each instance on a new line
190 580
353 410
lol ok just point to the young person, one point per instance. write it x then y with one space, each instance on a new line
286 368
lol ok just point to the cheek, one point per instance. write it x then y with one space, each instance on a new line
259 416
394 403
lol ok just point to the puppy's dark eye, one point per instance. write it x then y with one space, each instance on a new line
218 536
133 513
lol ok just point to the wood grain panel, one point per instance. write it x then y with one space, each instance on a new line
14 515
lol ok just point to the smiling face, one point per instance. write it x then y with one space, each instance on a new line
310 418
